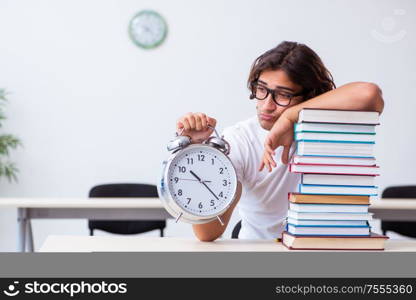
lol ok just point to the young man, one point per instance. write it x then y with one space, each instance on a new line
283 80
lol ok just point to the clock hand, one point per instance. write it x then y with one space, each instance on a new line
196 176
194 180
199 179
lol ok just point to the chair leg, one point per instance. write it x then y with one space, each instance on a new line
161 233
91 232
384 232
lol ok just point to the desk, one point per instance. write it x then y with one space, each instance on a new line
394 209
167 244
80 208
143 209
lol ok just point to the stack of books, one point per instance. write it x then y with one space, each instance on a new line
335 155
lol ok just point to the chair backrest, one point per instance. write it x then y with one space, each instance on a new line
123 190
236 230
404 191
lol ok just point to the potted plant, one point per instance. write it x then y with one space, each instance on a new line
8 169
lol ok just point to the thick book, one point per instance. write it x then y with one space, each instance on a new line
329 216
334 199
318 207
334 169
338 189
331 160
336 128
340 149
328 231
327 179
341 137
372 242
328 223
338 116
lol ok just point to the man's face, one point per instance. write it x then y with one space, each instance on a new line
267 110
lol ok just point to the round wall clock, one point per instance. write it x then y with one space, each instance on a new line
148 29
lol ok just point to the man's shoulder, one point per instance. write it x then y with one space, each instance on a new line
246 127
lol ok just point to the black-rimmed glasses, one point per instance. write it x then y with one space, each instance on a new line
280 97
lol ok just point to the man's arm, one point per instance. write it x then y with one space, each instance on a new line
351 96
209 232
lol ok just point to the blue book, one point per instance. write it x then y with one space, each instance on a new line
328 223
338 190
335 137
317 207
328 231
335 128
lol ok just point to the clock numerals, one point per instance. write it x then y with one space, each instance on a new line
201 157
200 182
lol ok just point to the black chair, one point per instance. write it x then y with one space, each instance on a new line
125 227
402 227
236 230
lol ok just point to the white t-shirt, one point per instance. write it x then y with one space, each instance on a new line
264 203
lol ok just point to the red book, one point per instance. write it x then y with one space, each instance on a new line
334 169
372 242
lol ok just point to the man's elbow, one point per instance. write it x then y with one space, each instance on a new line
205 234
206 237
373 96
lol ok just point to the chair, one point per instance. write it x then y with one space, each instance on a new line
236 230
125 227
406 228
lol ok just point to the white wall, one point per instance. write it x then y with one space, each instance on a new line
93 108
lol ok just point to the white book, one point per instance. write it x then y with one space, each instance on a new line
319 136
331 160
328 127
326 222
334 169
296 230
338 116
326 179
329 216
311 207
337 190
335 149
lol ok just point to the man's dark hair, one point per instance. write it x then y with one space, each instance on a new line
301 64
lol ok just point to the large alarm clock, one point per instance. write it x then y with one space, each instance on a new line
199 182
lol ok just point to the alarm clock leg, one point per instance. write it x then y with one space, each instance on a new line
177 219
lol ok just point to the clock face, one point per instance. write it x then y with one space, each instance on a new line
202 180
148 29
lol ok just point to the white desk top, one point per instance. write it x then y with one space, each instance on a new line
81 202
393 203
157 244
150 203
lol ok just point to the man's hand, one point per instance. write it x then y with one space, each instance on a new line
281 134
195 125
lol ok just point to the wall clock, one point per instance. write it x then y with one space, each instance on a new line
148 29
